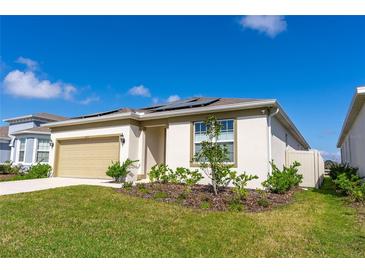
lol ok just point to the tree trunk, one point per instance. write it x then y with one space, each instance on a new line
215 188
214 183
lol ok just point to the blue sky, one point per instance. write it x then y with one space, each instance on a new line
77 65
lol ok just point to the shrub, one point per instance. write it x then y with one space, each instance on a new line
358 193
6 168
353 186
119 172
127 184
34 172
240 183
282 181
160 173
142 188
187 177
262 200
39 171
337 169
235 205
227 176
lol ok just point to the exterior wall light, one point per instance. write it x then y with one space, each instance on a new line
122 139
51 144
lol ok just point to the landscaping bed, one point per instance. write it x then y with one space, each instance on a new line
202 197
6 177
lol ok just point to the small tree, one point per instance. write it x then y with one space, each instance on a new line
213 157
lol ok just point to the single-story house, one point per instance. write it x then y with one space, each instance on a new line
352 137
254 131
25 141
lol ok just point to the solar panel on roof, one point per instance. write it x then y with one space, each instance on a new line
96 114
188 104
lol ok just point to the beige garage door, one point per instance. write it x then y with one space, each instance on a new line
86 158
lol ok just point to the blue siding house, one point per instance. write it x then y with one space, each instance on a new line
25 141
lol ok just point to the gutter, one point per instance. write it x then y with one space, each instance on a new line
269 136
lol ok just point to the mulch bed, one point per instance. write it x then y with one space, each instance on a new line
202 197
5 177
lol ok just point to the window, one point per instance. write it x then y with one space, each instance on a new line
226 137
43 151
21 150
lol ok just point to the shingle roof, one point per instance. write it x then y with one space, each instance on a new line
196 100
40 115
206 101
49 116
4 131
119 110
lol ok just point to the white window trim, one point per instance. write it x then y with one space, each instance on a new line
218 141
18 150
36 150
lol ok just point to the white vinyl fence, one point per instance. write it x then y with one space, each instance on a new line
312 166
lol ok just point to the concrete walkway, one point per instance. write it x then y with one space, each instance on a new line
13 187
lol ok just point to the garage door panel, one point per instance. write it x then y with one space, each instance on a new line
86 158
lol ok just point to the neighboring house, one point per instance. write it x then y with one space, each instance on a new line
4 144
352 137
25 141
254 131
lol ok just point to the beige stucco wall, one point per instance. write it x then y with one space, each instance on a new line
251 142
252 147
353 148
155 146
124 129
280 143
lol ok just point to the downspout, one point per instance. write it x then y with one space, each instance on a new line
269 136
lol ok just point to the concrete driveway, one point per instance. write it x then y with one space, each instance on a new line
13 187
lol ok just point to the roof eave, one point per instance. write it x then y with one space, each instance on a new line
81 121
174 113
208 109
30 116
294 129
30 132
359 94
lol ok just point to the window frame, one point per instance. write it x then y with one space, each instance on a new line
19 149
234 141
42 150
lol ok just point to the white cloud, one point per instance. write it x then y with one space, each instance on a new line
28 85
334 156
90 99
31 64
140 91
173 98
267 24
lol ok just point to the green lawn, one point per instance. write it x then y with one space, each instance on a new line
87 221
